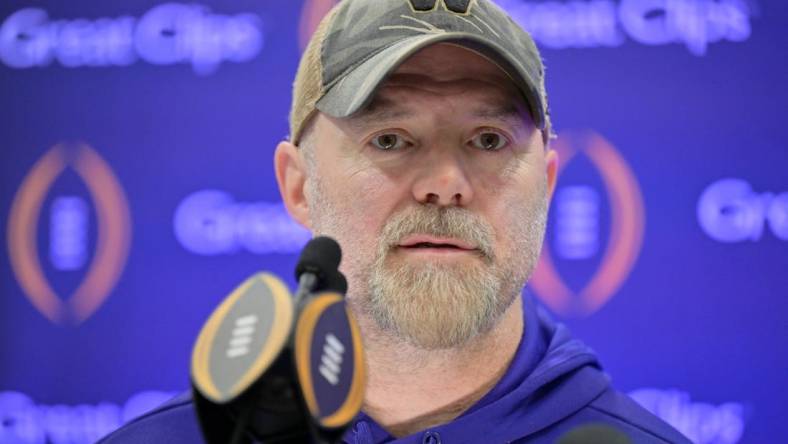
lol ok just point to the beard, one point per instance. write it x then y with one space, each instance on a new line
436 305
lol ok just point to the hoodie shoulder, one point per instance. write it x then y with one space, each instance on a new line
616 416
174 422
643 425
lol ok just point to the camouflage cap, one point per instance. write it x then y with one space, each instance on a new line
361 41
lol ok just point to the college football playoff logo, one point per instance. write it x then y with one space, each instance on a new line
68 233
626 225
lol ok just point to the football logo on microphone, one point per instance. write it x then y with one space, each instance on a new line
68 228
577 231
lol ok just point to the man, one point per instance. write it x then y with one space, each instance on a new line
420 142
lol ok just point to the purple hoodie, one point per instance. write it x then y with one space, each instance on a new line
553 386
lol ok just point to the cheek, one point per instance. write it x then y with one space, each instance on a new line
363 202
366 200
513 204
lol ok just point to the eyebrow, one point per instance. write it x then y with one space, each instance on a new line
379 110
507 112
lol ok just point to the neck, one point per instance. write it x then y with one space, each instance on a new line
410 389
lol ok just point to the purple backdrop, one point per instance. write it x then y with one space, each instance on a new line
136 191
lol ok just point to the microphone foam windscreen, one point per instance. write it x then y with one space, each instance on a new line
320 256
334 282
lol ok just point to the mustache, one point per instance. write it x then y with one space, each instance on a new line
451 222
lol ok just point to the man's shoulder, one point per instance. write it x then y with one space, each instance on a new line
639 424
608 418
173 422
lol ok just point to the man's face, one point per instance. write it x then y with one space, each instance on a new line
437 193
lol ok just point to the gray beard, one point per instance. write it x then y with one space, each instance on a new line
432 306
437 305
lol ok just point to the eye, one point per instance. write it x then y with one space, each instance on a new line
489 141
388 141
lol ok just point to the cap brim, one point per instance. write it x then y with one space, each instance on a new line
357 87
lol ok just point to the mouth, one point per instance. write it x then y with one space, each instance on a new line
434 244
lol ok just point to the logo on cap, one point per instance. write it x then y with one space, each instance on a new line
68 233
314 10
458 6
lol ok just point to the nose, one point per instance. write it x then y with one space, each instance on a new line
443 180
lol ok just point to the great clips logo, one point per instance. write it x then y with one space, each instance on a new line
170 33
597 224
730 211
41 212
564 24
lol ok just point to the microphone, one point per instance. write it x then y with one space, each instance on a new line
594 434
281 369
318 266
239 361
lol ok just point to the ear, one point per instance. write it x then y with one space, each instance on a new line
291 177
551 166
